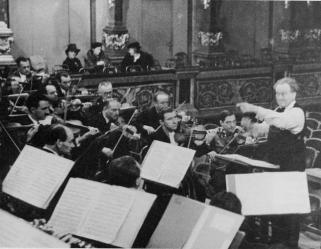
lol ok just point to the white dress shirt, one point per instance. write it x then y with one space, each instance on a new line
292 119
172 138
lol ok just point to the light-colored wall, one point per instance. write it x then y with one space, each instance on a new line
45 27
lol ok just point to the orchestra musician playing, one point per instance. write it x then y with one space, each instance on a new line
285 147
107 119
169 123
148 120
225 138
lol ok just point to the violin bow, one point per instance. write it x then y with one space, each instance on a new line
121 136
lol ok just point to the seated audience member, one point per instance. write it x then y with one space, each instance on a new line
169 123
252 130
96 56
107 118
124 171
225 138
136 57
72 62
148 121
59 141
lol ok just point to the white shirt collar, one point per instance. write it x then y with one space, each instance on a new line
290 106
49 149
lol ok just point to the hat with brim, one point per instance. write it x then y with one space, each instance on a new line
96 45
73 48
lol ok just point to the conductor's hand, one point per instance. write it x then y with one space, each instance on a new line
149 129
212 155
246 107
107 152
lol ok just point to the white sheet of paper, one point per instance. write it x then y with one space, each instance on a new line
135 219
36 176
17 233
215 228
247 161
166 163
92 210
271 193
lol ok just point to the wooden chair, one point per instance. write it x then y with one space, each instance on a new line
311 155
316 134
314 115
312 123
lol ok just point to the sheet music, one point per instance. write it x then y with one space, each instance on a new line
271 193
247 161
135 219
92 210
215 228
166 163
36 176
107 214
16 232
72 206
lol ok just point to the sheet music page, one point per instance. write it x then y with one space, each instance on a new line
246 160
153 164
166 163
271 193
215 228
135 219
16 232
73 205
107 214
36 176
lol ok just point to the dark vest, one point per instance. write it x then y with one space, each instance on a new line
286 149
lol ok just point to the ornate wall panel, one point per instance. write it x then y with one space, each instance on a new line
310 84
227 92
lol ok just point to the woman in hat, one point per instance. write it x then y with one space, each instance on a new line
72 62
136 57
96 56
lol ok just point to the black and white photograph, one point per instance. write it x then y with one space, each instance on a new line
161 124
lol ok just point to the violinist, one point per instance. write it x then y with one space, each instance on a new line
252 130
23 78
113 144
169 124
148 121
227 137
107 118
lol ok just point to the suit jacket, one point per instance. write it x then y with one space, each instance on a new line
160 135
148 117
99 122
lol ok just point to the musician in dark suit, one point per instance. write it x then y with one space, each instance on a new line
285 147
169 123
136 57
107 118
22 77
148 121
59 141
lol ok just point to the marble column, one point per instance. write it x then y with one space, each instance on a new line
207 30
115 34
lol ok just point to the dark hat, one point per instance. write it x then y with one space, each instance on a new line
96 45
134 45
72 47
